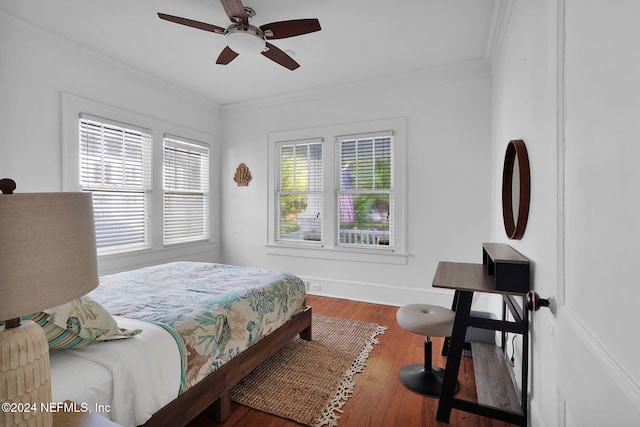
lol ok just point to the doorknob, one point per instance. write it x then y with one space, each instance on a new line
534 302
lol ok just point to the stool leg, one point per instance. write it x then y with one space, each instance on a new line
427 354
424 379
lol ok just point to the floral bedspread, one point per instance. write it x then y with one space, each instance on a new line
217 310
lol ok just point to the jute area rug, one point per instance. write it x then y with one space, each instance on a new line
310 381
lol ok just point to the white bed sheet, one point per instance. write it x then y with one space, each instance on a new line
129 379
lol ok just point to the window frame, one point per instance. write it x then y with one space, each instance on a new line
279 192
329 248
203 190
105 190
339 141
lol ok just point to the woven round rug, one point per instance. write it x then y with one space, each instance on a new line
309 381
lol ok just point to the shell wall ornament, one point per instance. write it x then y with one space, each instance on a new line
242 176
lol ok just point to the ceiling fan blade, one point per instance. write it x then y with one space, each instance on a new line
227 55
235 9
276 55
191 23
294 27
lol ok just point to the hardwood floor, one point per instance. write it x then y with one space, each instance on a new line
379 399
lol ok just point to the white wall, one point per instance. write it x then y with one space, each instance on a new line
524 107
36 67
448 122
576 104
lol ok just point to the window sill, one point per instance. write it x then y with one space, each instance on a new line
341 254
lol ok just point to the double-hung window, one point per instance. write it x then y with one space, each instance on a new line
299 191
152 187
338 192
365 190
115 165
186 190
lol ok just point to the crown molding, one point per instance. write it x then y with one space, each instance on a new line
499 23
474 69
40 39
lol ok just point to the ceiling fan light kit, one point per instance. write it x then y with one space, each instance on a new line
244 38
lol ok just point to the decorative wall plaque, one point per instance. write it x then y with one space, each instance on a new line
242 176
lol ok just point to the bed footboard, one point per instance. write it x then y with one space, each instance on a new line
214 391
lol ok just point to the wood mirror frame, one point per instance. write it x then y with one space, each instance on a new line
514 227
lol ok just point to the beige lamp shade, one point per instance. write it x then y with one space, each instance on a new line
47 251
47 258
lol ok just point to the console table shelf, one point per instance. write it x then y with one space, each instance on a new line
493 381
503 271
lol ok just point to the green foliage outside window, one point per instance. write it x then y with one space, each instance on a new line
371 211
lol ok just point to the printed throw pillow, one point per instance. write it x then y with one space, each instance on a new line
79 323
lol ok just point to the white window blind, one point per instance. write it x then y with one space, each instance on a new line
186 191
299 189
115 165
365 190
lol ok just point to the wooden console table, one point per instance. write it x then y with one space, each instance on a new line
503 271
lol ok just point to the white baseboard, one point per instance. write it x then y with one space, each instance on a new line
386 294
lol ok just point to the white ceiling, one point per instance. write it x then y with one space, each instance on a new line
359 40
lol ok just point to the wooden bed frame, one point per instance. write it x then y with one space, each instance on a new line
214 391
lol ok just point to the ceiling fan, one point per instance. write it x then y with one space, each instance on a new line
242 37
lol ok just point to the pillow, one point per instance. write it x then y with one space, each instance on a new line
79 323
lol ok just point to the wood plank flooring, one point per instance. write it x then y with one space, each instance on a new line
379 399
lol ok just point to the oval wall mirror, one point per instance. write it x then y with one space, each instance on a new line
516 187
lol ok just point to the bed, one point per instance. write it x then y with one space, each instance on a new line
204 327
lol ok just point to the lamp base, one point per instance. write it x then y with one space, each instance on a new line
25 378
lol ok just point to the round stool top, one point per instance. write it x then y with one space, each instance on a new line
427 320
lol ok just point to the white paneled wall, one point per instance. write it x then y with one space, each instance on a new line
565 81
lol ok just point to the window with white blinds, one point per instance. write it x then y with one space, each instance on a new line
299 191
338 192
186 191
115 165
365 189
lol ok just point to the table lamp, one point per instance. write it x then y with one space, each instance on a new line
47 258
